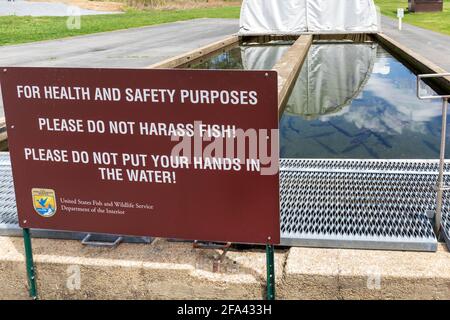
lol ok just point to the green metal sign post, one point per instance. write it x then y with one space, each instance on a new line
270 267
30 264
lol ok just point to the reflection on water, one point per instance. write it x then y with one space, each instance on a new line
350 101
357 101
246 57
230 59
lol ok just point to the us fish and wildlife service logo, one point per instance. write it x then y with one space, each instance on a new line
44 202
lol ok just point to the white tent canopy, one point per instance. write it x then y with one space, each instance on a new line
260 17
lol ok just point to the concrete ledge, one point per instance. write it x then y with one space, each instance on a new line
172 270
162 270
365 274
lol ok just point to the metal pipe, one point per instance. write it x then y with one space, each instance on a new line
30 264
440 183
440 188
429 76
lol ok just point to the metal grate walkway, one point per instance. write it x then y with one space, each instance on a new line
370 204
9 225
8 211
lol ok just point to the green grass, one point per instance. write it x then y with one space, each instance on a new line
436 21
14 30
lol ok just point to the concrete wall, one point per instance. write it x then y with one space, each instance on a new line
171 270
366 274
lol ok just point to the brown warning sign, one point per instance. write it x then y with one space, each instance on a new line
165 153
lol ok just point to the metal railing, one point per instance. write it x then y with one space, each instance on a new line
440 187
